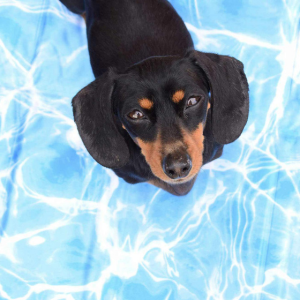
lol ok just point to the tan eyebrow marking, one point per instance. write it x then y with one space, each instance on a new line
146 103
178 96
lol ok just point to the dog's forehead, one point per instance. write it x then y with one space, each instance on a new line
158 75
159 68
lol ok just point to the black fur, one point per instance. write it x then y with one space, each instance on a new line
230 99
95 122
142 49
75 6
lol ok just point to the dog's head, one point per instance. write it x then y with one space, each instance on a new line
163 103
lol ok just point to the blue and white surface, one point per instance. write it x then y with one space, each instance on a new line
70 229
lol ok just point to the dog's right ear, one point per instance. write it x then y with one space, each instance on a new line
93 114
229 94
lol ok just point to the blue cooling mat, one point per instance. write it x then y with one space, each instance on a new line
70 229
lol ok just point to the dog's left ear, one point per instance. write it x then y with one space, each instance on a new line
229 94
93 114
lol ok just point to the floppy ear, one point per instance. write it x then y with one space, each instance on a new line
229 94
93 114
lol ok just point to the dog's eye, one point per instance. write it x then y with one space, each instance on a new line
136 114
193 101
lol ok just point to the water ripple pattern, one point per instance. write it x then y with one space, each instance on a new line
70 229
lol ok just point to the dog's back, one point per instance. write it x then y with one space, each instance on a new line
121 33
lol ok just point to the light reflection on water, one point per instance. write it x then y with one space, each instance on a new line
71 229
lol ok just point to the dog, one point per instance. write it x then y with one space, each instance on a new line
158 109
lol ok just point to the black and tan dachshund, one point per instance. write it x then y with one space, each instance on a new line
158 110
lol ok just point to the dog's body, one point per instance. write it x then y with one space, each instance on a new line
149 115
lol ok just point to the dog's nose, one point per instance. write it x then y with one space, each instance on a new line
177 165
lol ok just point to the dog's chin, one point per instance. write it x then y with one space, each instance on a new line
183 186
178 187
